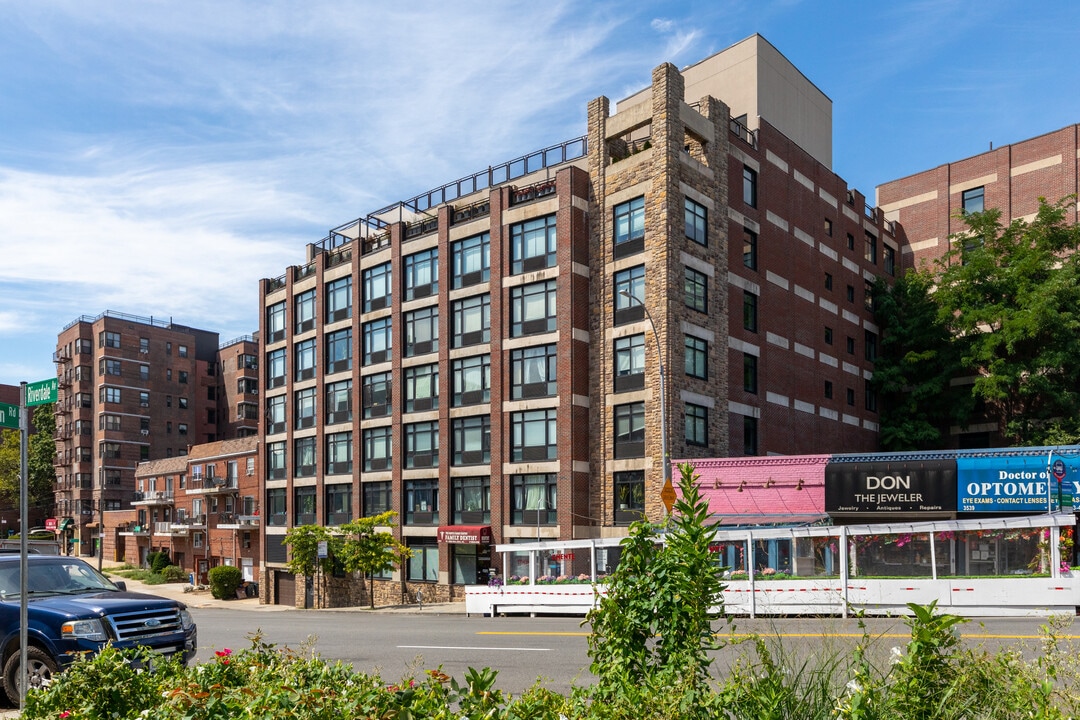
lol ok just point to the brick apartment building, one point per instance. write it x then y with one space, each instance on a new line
496 359
1010 178
133 389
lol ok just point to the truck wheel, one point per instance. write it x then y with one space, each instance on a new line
41 669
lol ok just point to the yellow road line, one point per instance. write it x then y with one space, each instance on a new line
872 636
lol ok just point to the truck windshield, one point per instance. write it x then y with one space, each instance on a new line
66 577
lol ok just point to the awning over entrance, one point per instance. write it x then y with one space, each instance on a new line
465 534
66 523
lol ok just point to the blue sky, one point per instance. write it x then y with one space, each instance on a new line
158 158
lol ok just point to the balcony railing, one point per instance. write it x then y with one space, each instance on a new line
153 497
207 486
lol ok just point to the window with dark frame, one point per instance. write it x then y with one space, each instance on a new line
471 439
275 322
470 380
421 387
275 368
749 186
377 341
304 505
422 331
871 248
629 295
422 501
533 436
629 488
304 311
749 249
339 453
376 287
696 357
750 373
973 200
339 504
421 444
471 320
696 424
533 245
629 227
470 499
534 499
276 507
421 274
629 363
629 424
304 408
275 414
339 299
339 402
304 357
750 311
339 349
533 308
888 259
696 221
304 456
377 449
532 372
377 497
471 261
828 389
696 289
750 435
375 392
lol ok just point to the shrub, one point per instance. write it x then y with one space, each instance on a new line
224 580
158 561
174 573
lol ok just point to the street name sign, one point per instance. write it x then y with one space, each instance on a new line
9 416
41 392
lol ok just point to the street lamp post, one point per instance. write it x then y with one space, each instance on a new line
666 460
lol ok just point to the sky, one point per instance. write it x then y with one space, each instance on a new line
158 158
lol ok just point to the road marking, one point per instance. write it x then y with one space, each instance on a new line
457 647
533 632
969 636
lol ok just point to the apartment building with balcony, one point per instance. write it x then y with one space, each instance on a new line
133 389
496 359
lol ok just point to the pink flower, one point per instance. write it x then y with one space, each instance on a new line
66 713
224 653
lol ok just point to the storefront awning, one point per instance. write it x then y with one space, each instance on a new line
66 523
465 534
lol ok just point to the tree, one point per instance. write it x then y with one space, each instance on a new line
9 468
303 542
40 456
1009 295
367 549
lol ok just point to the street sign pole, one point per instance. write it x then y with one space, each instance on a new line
24 525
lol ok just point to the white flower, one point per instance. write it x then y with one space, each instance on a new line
853 687
896 655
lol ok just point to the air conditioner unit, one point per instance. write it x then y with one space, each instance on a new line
144 432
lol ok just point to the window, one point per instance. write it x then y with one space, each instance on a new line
339 351
850 241
851 396
168 374
697 357
697 424
972 201
828 336
378 341
181 428
110 422
750 435
533 436
850 345
250 468
275 368
422 331
339 402
376 287
376 395
828 227
749 249
629 290
828 281
423 565
181 351
532 372
339 299
422 445
144 345
275 414
749 311
532 309
275 322
828 389
534 499
422 502
870 255
629 220
244 386
247 411
304 408
471 259
304 457
749 372
871 396
421 274
421 388
472 320
304 308
696 288
470 498
304 506
144 399
888 259
109 340
377 496
629 363
304 357
749 186
377 449
851 293
471 440
870 345
696 221
471 378
629 423
275 461
868 295
338 504
339 453
110 367
532 245
629 496
144 373
108 394
275 507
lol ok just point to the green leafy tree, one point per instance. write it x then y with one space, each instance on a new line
9 468
1010 294
40 455
916 362
303 542
368 549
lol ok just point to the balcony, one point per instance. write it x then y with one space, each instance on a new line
200 485
153 497
183 525
233 521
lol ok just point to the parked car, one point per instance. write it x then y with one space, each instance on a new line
73 609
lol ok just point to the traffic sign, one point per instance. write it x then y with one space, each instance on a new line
9 416
668 495
41 392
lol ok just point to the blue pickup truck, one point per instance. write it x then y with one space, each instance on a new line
73 609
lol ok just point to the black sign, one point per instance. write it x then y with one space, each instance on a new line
890 487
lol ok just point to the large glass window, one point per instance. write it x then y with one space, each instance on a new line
339 402
696 290
750 364
378 341
339 351
376 395
304 506
749 249
973 200
629 290
422 502
471 440
275 322
750 435
471 259
534 499
338 504
749 186
888 259
749 311
339 453
629 423
471 380
629 363
339 299
377 454
696 220
629 219
697 424
532 372
305 311
422 445
275 368
421 274
471 498
304 408
275 414
472 320
532 309
629 496
423 565
304 357
533 436
275 461
275 507
532 245
697 357
422 331
304 457
870 254
376 287
421 388
376 497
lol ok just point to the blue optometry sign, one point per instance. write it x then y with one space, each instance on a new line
1015 484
